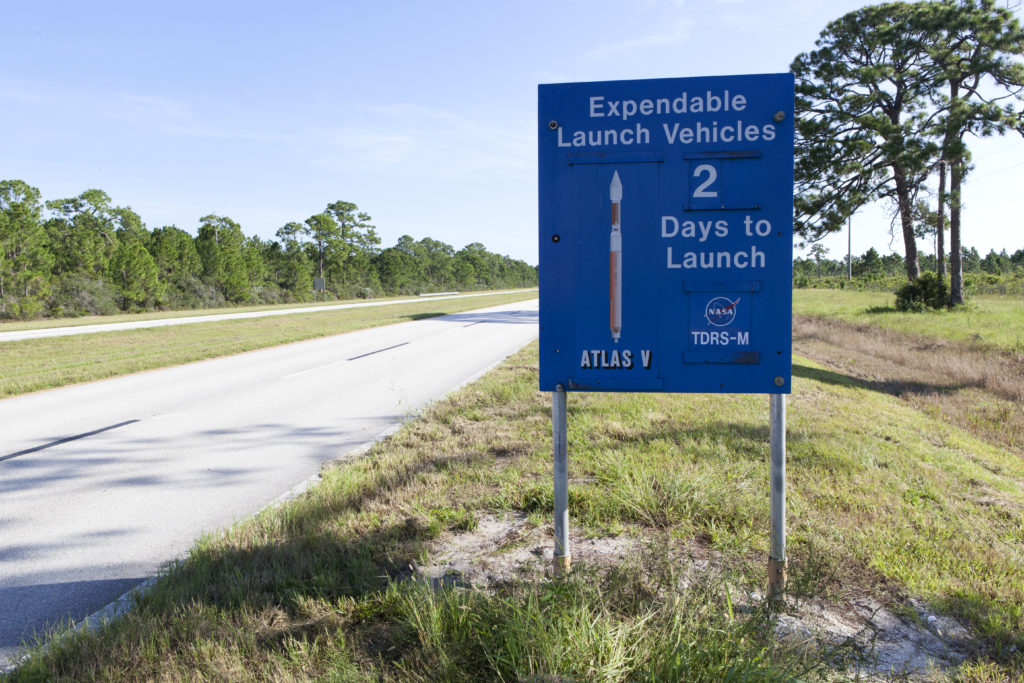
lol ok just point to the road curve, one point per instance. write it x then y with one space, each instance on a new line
103 483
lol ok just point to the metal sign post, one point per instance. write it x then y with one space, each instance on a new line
559 423
777 496
666 248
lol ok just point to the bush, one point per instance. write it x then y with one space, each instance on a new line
78 294
928 291
187 291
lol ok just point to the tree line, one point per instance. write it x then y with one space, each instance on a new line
887 101
871 264
85 256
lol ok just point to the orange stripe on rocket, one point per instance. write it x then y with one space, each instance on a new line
615 258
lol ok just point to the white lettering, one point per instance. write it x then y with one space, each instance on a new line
709 260
638 135
670 264
710 102
670 135
665 220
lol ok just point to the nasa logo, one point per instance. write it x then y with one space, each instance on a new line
720 311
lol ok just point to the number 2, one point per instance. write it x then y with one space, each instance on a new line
702 191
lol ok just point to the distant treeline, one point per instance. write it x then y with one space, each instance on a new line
871 263
995 273
82 256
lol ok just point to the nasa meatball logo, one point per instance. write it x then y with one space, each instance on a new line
720 311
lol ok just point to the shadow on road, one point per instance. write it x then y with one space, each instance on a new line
500 318
63 603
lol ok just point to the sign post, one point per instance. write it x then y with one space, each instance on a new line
777 496
559 425
666 246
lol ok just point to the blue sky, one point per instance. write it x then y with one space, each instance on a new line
423 114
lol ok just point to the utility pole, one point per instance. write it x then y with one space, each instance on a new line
940 238
849 248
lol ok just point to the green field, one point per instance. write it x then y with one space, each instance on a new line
48 323
36 364
888 505
988 320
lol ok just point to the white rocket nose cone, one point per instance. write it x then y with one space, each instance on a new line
616 188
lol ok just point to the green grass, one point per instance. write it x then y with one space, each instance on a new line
993 321
36 364
323 587
49 323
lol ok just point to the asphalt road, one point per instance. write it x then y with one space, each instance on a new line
103 483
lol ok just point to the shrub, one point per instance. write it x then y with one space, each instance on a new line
78 294
928 291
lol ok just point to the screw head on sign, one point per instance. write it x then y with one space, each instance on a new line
779 116
779 381
553 125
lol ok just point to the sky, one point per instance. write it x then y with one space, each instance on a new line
422 114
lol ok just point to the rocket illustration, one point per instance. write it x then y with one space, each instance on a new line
615 258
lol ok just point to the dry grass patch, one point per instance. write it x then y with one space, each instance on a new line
977 388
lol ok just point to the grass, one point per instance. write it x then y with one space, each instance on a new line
49 323
979 389
37 364
991 321
332 586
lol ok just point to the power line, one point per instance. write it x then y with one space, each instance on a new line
1007 168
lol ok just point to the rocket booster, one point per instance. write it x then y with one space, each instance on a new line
615 258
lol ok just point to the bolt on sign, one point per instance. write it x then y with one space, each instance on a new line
666 234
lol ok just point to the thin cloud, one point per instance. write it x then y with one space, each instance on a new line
415 135
677 34
175 117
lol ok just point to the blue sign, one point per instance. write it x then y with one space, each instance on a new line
666 234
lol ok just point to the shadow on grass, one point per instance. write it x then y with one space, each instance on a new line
881 309
1002 638
892 387
281 576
